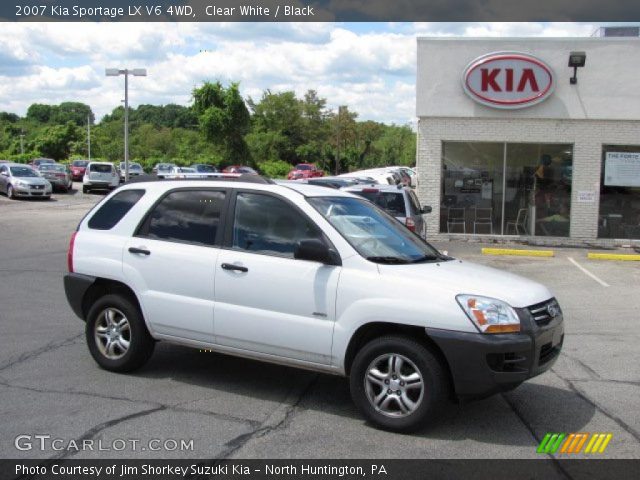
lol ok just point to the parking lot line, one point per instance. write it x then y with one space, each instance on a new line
588 273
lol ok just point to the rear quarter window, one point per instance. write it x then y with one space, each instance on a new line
114 209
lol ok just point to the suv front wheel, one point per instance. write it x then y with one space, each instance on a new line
398 384
116 334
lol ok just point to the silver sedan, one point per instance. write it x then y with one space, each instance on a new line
18 180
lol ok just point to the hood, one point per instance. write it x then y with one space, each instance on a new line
455 277
33 180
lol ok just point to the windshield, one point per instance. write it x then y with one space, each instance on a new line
303 167
80 163
23 172
132 166
376 235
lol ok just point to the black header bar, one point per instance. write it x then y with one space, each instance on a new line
319 10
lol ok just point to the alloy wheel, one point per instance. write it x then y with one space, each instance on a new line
112 333
394 385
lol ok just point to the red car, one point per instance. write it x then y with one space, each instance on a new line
239 169
305 170
77 169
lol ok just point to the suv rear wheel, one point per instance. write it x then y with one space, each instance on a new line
116 334
397 383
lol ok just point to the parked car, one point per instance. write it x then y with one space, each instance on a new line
135 169
100 176
239 169
36 162
160 169
59 175
310 277
305 170
17 180
398 201
77 169
204 168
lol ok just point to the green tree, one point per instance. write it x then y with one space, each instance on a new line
56 141
39 112
224 119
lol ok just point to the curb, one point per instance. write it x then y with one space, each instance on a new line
613 256
518 252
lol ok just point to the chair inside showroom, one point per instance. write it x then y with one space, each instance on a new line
519 227
483 218
456 216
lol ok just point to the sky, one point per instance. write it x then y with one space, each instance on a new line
370 67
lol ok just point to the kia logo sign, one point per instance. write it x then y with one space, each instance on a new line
508 80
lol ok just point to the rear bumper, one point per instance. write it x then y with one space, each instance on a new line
75 287
482 365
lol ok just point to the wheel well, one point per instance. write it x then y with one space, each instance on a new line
369 331
102 287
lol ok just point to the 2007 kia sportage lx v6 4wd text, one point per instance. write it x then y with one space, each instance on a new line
309 277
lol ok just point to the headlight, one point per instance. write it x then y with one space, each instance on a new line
489 314
21 183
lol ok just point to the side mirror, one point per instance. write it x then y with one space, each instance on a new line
315 250
427 209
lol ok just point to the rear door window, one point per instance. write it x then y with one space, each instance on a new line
188 216
114 209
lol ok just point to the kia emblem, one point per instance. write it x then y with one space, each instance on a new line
508 80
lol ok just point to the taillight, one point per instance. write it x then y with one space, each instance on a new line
411 225
370 190
70 252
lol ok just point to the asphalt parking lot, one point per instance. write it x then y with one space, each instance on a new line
238 408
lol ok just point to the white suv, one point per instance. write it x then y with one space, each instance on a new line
309 277
100 176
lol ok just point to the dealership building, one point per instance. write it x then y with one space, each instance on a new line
530 138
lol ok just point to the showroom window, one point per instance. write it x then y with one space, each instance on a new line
506 188
619 215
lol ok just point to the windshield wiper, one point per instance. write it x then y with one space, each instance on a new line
426 258
390 260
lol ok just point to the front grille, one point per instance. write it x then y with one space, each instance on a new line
544 312
37 187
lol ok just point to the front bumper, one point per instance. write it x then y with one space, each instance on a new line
484 364
29 191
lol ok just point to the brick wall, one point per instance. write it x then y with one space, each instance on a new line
587 137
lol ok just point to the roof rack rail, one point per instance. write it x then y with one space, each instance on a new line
228 177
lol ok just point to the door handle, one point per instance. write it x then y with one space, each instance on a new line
230 266
141 251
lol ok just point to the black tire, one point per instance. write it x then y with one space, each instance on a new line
141 344
85 189
435 390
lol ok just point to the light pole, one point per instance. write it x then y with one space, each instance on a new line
21 142
136 72
89 137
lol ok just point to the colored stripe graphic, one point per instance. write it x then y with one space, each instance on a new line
574 442
551 442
